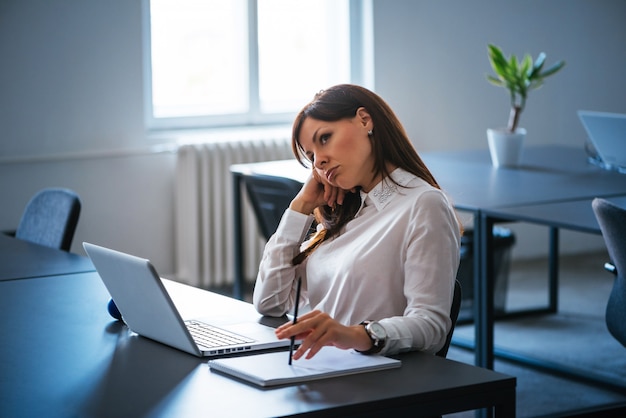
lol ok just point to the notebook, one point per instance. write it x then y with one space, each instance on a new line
607 133
148 310
272 369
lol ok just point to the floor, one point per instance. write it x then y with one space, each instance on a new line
575 336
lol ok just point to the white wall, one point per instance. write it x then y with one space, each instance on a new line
71 114
127 199
71 97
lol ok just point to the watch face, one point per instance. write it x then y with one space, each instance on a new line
377 331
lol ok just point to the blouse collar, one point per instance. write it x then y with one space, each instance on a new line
386 190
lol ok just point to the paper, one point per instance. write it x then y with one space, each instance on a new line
270 369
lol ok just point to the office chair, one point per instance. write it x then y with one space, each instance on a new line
454 314
270 196
612 220
50 218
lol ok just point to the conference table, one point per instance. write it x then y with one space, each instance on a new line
575 215
63 355
549 174
21 259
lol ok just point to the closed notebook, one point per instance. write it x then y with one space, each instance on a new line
271 369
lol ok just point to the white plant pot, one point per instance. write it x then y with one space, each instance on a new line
506 147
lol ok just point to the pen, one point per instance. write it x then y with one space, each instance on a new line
295 318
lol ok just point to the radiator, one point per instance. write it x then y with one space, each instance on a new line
204 209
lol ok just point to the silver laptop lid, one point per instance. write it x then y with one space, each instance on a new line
142 299
607 133
148 309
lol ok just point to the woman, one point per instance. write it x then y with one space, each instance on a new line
378 274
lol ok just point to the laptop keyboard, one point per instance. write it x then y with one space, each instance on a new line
209 336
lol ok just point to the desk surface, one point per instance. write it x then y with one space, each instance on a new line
71 359
21 259
546 174
575 215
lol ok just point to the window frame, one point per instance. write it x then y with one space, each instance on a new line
361 72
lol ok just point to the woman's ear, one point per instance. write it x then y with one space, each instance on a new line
364 118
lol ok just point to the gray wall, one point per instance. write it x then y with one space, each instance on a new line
431 61
71 99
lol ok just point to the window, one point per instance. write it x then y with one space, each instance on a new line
249 62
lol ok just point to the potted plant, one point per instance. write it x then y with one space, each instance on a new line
519 78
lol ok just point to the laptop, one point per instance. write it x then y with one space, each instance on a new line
148 310
607 133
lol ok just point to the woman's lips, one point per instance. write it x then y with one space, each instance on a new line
330 174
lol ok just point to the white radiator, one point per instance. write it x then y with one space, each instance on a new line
204 209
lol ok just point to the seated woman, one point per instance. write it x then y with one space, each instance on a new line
378 274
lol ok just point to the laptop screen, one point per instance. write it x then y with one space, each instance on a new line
607 134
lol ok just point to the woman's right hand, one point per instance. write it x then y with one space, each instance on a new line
316 192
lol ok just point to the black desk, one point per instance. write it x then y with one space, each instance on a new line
69 358
576 215
21 259
548 174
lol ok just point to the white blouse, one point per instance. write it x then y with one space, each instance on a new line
395 262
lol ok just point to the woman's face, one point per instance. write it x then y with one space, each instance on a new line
341 151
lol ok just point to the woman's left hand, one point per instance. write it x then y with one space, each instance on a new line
317 329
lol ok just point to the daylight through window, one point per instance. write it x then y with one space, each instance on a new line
247 62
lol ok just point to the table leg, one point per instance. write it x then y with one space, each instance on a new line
483 290
238 283
553 270
506 405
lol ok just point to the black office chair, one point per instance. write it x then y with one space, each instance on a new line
270 196
612 220
454 314
50 218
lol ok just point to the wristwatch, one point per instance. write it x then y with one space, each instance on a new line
377 334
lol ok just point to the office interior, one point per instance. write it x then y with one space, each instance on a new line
72 102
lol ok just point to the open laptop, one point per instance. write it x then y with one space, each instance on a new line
607 133
148 310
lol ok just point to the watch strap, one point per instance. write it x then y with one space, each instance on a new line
377 344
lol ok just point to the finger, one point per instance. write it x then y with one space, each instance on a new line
315 348
281 329
302 327
313 344
316 337
330 196
340 196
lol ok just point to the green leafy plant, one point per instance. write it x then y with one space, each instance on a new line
519 78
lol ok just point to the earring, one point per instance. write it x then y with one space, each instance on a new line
370 133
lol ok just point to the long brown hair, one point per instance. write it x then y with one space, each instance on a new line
390 144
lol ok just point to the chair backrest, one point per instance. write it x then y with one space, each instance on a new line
454 314
612 220
50 218
270 196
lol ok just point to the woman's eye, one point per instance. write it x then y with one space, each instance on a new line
324 138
